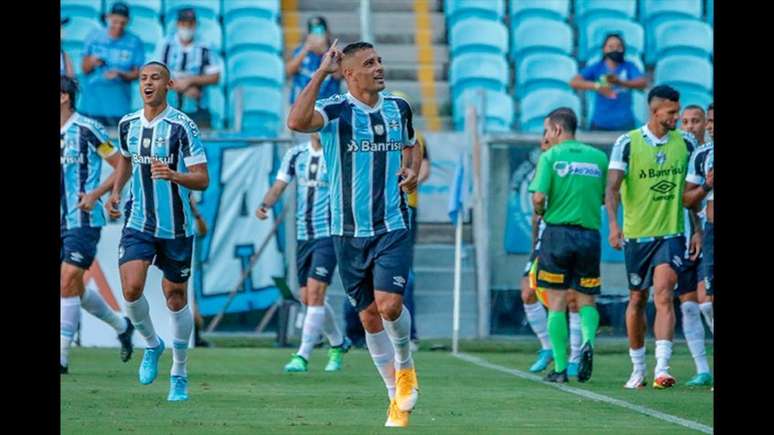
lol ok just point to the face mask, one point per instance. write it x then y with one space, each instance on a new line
185 34
615 56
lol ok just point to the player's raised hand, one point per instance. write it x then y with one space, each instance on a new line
331 59
111 206
261 213
86 201
161 171
409 183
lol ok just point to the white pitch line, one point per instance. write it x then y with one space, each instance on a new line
588 394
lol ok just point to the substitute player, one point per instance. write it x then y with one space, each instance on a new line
315 257
647 172
571 176
368 143
163 155
83 144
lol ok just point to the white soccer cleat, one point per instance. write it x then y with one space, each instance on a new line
636 381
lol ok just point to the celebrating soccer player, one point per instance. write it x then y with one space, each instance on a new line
163 155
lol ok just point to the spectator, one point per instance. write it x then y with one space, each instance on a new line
65 64
612 78
111 60
307 57
193 65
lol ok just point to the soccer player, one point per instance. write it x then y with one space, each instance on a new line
647 175
163 155
315 257
572 174
368 144
83 144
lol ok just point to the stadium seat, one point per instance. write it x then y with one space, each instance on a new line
207 30
148 30
688 72
521 10
75 32
251 33
140 8
261 108
202 8
478 35
690 96
216 103
269 9
588 9
596 30
255 68
460 9
484 70
629 57
540 34
134 90
690 37
655 12
536 105
711 12
81 8
544 70
639 107
498 105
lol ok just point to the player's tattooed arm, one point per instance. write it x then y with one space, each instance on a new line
539 203
697 234
86 200
303 117
694 194
612 200
270 199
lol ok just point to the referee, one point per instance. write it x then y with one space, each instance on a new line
571 177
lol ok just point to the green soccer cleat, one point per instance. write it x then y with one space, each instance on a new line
545 357
335 356
297 364
700 380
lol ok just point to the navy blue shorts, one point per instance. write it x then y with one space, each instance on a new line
569 258
79 246
315 259
709 258
688 279
641 259
172 256
366 263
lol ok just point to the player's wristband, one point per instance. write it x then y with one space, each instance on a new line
706 188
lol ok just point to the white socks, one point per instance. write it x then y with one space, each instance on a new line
69 317
399 331
92 302
536 316
383 354
638 359
181 323
709 315
663 354
693 330
330 328
575 337
139 313
313 322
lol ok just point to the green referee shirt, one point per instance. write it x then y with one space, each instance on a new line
572 175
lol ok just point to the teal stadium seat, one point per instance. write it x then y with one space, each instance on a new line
690 96
689 37
207 30
498 105
655 12
255 68
711 12
261 108
541 35
596 30
460 9
216 103
478 70
536 105
269 9
81 8
253 34
148 30
521 10
478 35
589 10
140 8
202 8
688 72
639 107
544 70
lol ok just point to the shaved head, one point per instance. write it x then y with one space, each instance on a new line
161 66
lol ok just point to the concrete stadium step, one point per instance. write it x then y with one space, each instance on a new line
407 53
412 87
387 27
408 70
436 255
443 234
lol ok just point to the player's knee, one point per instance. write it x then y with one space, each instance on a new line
176 299
132 291
371 320
69 282
638 300
663 299
315 292
390 308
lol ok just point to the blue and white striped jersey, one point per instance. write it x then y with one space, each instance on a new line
362 147
160 207
702 160
313 211
83 143
192 60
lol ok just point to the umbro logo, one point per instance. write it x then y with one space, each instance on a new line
398 281
663 187
321 271
76 256
185 272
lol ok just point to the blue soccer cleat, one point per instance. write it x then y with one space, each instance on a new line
700 380
545 357
149 368
178 388
572 369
